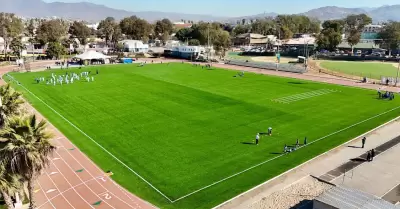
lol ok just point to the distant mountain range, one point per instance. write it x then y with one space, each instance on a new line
378 14
94 12
87 11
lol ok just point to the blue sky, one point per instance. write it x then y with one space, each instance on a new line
232 8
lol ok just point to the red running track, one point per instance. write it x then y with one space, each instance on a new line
74 181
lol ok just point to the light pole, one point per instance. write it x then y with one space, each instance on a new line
398 71
208 42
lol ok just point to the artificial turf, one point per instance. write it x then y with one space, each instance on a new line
362 69
182 127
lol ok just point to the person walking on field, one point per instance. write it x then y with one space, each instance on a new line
270 131
257 138
363 141
372 154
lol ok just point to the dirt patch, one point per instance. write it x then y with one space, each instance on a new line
273 59
295 195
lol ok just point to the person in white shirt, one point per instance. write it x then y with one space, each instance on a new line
270 131
257 138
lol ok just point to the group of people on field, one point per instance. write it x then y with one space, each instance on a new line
385 95
286 148
67 78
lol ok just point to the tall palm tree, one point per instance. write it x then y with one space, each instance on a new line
27 148
10 103
9 183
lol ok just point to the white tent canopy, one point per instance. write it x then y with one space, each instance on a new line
90 55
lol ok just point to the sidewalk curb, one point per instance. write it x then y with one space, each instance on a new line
288 171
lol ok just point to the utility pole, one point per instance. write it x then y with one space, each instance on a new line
208 41
279 36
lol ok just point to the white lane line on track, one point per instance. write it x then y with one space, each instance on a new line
55 185
69 189
82 180
55 166
69 153
41 189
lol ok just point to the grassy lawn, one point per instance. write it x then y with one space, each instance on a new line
183 127
362 69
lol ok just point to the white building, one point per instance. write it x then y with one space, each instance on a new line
2 45
172 43
135 46
189 52
93 26
301 41
372 28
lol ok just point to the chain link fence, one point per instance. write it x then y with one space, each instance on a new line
293 68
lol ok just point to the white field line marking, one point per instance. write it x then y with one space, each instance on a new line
269 160
69 153
81 179
307 95
310 93
71 188
41 189
67 182
229 177
290 170
94 141
302 97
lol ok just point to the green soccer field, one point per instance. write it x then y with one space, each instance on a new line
190 131
362 69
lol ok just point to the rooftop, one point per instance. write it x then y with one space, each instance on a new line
251 35
346 198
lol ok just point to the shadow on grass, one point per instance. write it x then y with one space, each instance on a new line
248 143
296 82
276 153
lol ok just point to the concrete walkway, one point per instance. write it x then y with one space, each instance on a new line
327 162
378 177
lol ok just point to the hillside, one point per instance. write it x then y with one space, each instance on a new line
94 12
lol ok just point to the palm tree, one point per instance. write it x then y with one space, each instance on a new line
27 149
9 183
10 103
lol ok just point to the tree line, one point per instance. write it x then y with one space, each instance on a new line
283 26
352 27
60 34
25 147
